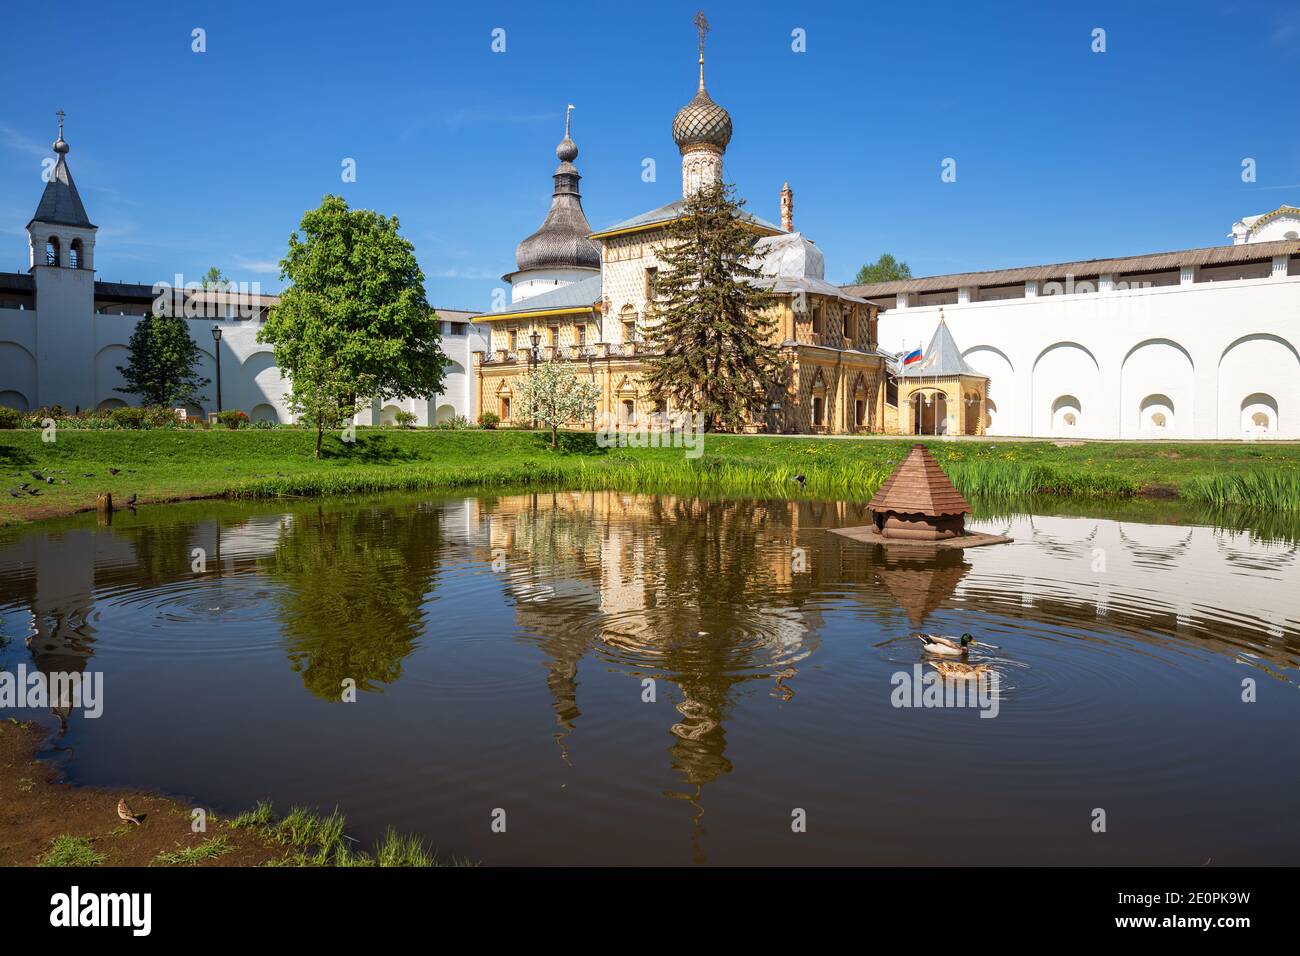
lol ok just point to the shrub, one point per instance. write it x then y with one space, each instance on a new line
455 423
405 419
233 418
128 417
489 420
10 418
264 423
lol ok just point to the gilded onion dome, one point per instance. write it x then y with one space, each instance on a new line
561 242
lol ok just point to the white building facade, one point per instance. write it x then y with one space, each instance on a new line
63 333
1197 344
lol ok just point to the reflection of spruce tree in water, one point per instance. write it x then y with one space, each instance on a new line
710 576
353 583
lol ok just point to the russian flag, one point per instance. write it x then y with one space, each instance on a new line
912 356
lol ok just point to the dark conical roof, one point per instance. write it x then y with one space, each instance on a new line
60 203
562 241
919 486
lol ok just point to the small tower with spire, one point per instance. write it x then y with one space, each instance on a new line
702 130
787 208
60 234
61 239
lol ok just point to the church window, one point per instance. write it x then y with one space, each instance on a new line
74 254
847 328
514 340
580 335
651 275
553 336
52 251
817 320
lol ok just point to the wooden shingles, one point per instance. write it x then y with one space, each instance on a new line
919 486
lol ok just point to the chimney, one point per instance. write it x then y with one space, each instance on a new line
787 208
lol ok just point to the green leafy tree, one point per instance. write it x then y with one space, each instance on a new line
884 269
556 397
354 324
709 323
161 368
216 280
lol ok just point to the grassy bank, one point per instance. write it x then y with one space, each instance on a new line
173 465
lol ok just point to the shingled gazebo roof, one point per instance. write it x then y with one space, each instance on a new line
919 486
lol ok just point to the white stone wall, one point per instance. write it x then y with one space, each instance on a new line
1206 356
524 285
65 354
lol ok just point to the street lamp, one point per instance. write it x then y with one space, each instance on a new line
216 338
534 359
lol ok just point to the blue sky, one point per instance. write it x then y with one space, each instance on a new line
186 160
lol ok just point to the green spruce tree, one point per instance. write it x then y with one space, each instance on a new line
161 369
709 328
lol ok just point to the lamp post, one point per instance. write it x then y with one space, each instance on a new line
216 338
534 359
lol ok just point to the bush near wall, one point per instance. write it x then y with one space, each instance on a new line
233 418
10 418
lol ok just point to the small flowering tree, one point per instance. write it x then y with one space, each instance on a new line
554 396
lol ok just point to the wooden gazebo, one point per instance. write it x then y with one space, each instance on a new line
919 502
918 505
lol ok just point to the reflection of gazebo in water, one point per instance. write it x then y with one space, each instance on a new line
920 585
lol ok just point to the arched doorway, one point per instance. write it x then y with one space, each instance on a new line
929 413
1156 415
1258 414
1067 415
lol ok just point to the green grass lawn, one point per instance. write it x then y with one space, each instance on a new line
166 465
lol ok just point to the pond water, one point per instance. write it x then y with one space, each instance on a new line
504 649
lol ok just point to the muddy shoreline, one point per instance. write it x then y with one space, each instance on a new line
36 809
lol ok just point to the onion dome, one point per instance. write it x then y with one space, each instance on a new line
702 122
561 242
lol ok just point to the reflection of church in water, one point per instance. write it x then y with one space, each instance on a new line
705 597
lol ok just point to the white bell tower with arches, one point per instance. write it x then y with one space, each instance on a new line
61 240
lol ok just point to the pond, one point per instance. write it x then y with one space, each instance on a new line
655 680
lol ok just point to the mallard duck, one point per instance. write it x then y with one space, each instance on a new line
938 644
956 670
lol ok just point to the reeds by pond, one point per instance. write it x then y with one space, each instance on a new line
1261 489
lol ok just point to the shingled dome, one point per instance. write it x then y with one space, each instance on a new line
702 122
919 501
562 241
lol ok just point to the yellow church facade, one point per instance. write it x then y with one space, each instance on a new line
584 298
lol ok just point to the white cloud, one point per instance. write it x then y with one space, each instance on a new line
262 266
13 139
